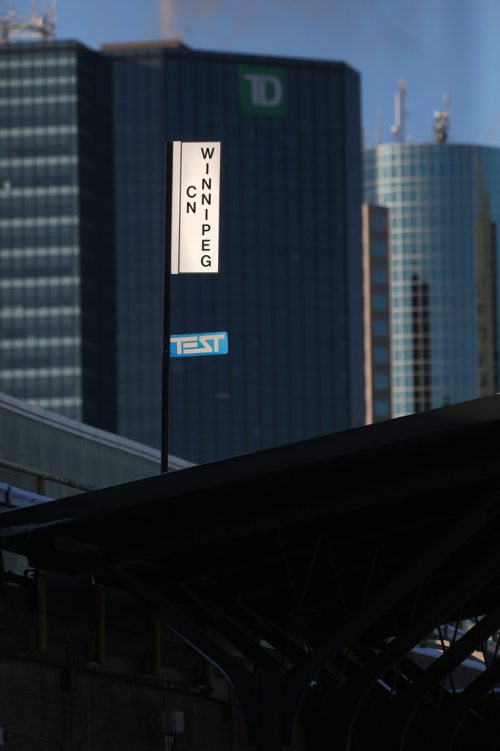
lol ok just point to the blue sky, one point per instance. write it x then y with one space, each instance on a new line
439 47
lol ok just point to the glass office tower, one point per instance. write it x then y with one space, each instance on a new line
289 288
443 202
56 230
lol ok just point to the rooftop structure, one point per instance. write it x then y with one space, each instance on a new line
34 25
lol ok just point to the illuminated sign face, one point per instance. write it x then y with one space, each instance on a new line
189 345
262 90
195 207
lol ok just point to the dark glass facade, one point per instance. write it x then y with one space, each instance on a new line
57 317
82 191
289 287
443 202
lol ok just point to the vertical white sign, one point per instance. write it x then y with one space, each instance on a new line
195 207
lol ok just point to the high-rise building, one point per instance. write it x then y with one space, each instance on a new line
57 291
289 287
82 193
443 203
376 306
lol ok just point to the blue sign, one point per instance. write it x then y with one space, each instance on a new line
191 345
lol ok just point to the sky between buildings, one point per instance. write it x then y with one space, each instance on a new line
438 47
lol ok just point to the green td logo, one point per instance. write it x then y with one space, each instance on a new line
262 90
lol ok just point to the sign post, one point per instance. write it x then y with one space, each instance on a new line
191 241
167 230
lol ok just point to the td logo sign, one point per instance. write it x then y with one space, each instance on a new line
262 90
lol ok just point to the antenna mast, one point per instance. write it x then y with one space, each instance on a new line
398 129
378 128
441 120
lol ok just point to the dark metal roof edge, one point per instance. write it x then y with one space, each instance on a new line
173 48
455 419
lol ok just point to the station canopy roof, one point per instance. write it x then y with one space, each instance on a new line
362 541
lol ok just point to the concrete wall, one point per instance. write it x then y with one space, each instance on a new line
80 671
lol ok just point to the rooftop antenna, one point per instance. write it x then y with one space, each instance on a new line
35 25
441 120
378 128
398 129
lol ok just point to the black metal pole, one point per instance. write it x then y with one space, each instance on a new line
167 240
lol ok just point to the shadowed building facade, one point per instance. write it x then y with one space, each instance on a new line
289 287
83 137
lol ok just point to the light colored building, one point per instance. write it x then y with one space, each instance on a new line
443 203
376 304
